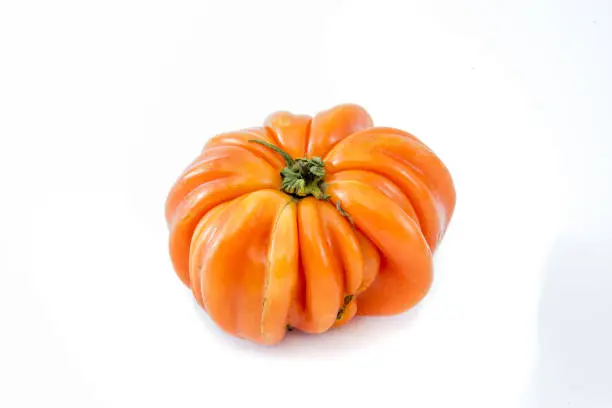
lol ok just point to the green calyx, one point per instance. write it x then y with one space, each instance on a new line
301 177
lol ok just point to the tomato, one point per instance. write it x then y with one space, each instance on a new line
306 222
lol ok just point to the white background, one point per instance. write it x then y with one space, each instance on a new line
102 104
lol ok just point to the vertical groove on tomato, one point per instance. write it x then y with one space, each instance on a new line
407 163
381 183
280 274
424 201
367 146
323 282
194 207
290 131
331 126
344 244
215 163
234 267
371 261
406 266
204 237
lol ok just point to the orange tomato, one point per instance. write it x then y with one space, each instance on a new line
306 222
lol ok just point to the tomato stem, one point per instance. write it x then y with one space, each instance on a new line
288 159
304 177
301 177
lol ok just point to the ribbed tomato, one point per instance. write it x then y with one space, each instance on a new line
305 222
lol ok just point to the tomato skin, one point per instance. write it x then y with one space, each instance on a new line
259 260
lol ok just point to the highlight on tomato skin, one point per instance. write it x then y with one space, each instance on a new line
306 222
